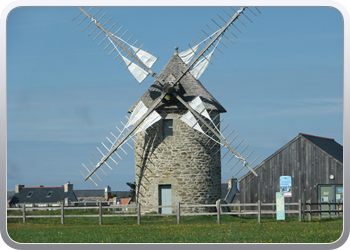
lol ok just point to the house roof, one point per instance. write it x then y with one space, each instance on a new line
189 88
100 193
125 201
39 195
89 193
328 145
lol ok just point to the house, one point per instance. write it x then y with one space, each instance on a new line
229 190
41 196
94 196
314 164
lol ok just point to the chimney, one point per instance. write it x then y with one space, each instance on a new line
68 187
18 188
108 193
232 184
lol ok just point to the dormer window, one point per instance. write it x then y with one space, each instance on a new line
49 194
30 194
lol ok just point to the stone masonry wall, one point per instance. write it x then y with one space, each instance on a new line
186 161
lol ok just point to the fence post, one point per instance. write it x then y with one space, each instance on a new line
299 201
100 213
319 210
303 201
24 213
218 207
337 207
62 213
310 215
138 214
329 209
178 213
259 211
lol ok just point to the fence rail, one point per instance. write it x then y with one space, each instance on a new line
301 211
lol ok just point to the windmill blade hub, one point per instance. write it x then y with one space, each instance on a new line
168 88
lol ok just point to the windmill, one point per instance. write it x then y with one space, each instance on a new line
175 125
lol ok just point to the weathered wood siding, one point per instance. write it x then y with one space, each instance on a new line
307 164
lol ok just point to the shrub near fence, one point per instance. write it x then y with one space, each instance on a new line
220 210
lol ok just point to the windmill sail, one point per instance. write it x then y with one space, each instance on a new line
198 105
138 112
187 55
149 121
139 73
144 56
200 66
191 121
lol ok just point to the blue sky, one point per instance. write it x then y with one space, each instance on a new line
284 76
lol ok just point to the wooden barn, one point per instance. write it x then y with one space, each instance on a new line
315 165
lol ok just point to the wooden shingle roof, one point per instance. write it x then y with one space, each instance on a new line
189 88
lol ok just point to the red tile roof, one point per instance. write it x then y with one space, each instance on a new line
125 201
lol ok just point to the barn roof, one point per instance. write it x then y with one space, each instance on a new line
189 88
328 145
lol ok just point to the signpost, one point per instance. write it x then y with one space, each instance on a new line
280 208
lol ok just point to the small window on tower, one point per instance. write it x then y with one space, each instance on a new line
167 127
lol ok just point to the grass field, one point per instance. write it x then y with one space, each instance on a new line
193 229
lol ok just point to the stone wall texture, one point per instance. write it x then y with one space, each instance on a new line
188 160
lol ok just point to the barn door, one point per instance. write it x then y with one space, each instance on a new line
165 199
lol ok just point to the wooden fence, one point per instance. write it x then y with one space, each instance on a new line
220 208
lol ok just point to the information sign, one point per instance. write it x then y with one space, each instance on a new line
286 185
280 207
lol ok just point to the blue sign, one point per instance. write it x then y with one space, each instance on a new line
286 185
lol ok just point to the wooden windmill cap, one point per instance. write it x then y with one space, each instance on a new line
188 89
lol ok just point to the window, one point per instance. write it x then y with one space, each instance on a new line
167 127
30 194
49 194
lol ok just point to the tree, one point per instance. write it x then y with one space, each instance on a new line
132 189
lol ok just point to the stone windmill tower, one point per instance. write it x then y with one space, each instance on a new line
175 125
174 162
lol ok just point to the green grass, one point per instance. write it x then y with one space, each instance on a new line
192 229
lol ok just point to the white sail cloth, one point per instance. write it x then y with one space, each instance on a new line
191 121
187 55
198 106
137 113
201 65
148 122
139 73
144 56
